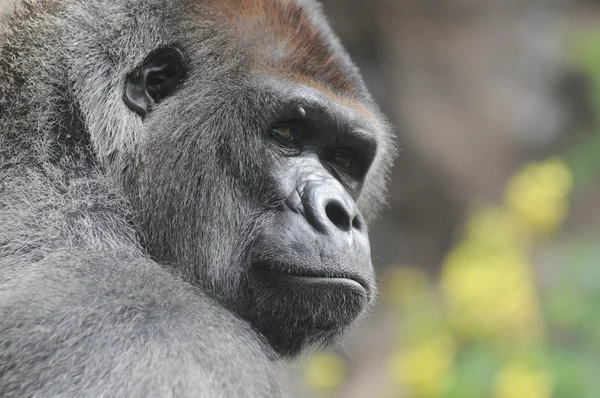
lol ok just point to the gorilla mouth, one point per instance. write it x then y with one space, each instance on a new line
278 272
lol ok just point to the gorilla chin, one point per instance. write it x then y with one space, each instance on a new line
304 311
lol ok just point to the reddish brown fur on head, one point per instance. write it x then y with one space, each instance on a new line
287 41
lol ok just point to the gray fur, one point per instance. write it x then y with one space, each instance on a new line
110 287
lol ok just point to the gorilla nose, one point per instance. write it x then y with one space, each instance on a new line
341 217
332 209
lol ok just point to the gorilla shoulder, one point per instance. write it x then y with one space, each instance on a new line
185 189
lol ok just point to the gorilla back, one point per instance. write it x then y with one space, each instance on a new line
185 188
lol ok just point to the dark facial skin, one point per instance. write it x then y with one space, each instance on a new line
305 269
315 250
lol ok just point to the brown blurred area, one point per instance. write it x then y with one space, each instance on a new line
474 88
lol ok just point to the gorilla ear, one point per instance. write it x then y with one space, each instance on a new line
159 75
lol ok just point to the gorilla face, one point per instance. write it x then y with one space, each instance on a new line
310 260
263 169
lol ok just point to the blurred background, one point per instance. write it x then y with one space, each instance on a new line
488 255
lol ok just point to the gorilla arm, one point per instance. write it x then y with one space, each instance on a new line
75 324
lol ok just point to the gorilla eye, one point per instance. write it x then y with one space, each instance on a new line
286 134
343 158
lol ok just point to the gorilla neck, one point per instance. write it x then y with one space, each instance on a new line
61 209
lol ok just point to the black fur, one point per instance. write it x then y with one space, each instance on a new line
144 257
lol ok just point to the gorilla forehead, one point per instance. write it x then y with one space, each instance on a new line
287 38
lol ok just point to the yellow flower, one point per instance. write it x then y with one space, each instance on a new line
424 368
517 379
324 371
495 228
538 195
491 293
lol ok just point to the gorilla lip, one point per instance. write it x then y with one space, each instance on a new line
353 282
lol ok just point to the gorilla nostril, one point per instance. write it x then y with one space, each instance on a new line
357 223
338 215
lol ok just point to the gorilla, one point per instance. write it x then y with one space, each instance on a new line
185 189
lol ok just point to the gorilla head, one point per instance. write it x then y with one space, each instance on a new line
249 151
258 160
